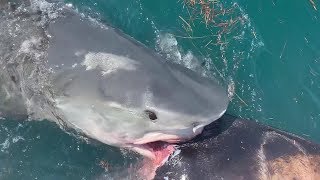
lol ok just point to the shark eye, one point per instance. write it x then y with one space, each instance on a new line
152 115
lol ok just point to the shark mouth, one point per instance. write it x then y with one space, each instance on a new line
158 146
158 151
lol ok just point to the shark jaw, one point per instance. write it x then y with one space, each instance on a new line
157 151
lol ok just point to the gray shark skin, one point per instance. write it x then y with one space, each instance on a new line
109 85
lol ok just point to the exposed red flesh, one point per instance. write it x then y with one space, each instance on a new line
161 151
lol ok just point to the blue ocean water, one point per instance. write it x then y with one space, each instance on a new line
268 56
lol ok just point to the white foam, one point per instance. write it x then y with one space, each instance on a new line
28 45
184 177
80 53
5 145
108 63
74 65
175 153
231 89
52 10
168 45
17 139
69 5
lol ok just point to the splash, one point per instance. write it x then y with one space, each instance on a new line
168 46
5 145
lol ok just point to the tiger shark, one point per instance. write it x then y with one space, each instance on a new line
101 82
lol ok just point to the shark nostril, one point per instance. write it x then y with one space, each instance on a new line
152 115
